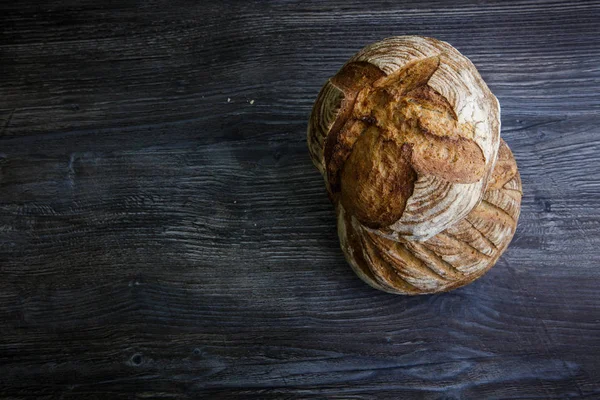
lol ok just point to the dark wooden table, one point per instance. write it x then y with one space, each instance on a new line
164 234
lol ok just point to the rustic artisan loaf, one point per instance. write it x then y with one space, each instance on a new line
407 137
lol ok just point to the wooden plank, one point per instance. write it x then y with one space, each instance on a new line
161 236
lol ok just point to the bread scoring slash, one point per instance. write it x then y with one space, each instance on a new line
407 138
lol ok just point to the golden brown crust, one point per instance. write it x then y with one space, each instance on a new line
377 179
505 169
350 80
457 160
356 75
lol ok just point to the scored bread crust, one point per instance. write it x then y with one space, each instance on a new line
450 259
407 137
435 203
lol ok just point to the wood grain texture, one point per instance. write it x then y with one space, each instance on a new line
158 240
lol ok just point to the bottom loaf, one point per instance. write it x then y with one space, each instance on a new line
453 257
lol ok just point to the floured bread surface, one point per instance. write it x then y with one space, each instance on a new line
406 136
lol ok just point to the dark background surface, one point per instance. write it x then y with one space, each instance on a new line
161 236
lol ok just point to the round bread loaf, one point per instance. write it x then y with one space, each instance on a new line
407 138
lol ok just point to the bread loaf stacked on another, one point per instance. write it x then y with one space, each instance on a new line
407 137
